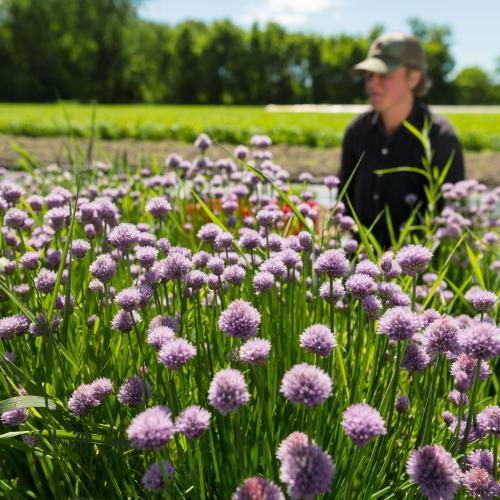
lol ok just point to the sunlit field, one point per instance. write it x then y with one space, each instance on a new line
204 330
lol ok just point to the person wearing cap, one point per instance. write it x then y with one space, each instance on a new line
396 79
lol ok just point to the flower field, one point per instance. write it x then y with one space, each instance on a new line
200 330
232 124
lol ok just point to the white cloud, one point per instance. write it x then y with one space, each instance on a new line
289 12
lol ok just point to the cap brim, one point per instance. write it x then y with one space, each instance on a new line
375 65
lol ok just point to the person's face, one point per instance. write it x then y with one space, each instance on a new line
388 91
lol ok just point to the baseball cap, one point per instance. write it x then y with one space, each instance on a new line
391 51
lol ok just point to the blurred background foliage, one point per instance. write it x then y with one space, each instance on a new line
101 50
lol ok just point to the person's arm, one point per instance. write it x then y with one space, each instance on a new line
347 162
447 143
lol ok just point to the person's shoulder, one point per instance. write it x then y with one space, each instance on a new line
361 122
441 126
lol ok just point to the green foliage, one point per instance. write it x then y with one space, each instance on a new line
235 124
101 50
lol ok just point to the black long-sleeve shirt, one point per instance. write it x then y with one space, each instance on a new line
368 191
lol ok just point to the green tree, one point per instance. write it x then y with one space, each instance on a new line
474 86
436 40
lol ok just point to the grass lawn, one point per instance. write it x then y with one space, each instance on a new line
233 124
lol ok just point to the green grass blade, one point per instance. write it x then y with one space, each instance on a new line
442 274
17 302
475 267
281 193
27 402
67 245
344 189
395 170
87 438
362 232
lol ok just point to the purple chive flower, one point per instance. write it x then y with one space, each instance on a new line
362 423
18 416
255 351
331 181
101 388
216 265
82 400
200 259
296 438
15 218
13 325
128 299
123 321
338 291
193 421
305 240
398 323
203 142
30 260
435 471
413 259
275 267
267 218
134 391
263 281
441 336
10 191
481 300
447 417
415 358
196 279
103 268
333 263
176 353
146 255
124 236
289 257
249 239
240 319
318 339
79 248
489 420
463 369
159 336
95 286
306 384
57 217
456 397
45 280
481 458
360 285
258 488
402 403
151 429
153 477
428 316
228 391
367 267
480 484
307 471
481 340
372 307
209 232
158 207
175 267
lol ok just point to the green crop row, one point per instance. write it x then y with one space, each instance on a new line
223 123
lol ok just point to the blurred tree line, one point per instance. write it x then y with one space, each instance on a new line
101 50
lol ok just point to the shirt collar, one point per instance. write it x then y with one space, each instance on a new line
416 118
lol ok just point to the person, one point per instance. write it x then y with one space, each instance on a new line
396 79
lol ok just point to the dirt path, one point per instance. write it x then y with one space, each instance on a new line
484 166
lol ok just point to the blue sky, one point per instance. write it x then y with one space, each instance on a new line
475 24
